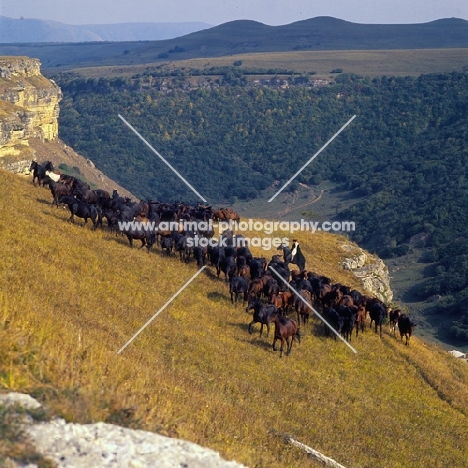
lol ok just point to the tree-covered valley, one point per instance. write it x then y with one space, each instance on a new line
404 155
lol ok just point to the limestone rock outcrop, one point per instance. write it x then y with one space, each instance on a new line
29 108
103 445
370 270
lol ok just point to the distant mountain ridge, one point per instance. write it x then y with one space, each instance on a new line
36 30
245 36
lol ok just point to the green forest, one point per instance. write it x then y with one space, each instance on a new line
405 152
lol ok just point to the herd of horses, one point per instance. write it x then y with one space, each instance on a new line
290 303
272 291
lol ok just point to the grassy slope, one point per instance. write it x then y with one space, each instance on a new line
71 297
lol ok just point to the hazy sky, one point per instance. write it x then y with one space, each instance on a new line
214 12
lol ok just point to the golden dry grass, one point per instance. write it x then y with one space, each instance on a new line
71 297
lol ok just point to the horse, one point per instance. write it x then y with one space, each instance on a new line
81 209
39 171
255 288
57 189
146 236
262 314
167 243
238 285
360 319
302 309
88 196
287 299
199 254
334 319
228 266
270 289
244 271
225 214
377 313
406 327
298 259
348 313
394 315
286 330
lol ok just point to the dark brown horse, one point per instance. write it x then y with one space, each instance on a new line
300 304
360 319
286 330
57 189
88 196
394 316
138 232
225 214
263 314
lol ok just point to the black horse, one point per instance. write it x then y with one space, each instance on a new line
293 255
39 171
377 313
238 285
138 232
81 209
262 314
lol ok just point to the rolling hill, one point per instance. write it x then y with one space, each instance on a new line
243 36
35 30
70 297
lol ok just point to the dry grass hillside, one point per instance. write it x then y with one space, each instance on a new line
71 297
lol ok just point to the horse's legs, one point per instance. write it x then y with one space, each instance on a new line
274 342
289 346
282 345
250 326
268 328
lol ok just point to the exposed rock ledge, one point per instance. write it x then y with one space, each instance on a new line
370 270
29 105
107 445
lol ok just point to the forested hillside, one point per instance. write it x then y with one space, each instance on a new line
405 153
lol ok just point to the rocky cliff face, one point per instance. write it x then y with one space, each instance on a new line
370 270
29 108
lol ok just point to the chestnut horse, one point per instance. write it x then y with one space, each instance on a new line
286 330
